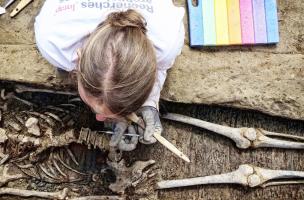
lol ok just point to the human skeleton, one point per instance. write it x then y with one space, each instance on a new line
36 144
43 145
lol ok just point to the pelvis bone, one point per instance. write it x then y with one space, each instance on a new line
246 175
244 137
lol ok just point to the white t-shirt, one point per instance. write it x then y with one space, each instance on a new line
62 25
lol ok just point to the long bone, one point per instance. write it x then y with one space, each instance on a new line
31 193
246 175
99 198
243 137
22 89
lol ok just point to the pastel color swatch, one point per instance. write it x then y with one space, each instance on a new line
209 22
259 20
233 22
221 22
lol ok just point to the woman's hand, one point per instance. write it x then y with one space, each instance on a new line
153 125
121 127
119 139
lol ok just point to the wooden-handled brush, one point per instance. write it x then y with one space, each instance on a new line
134 118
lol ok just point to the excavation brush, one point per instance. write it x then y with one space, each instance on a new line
134 118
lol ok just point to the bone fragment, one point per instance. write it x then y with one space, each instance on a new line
11 95
46 172
243 137
99 198
72 156
126 176
4 158
3 136
44 117
22 89
57 109
31 193
24 139
2 94
5 177
57 157
76 99
58 168
3 107
54 117
64 139
246 175
23 101
32 126
15 126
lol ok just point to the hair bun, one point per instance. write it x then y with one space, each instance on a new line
129 18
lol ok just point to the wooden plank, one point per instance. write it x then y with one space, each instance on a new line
234 21
272 21
209 22
221 22
247 22
259 19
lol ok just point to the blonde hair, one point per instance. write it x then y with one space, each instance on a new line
118 63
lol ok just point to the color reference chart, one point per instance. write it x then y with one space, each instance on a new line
233 22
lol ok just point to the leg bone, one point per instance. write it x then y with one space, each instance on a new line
30 193
243 137
245 175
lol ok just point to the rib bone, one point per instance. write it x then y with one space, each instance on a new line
246 175
30 193
11 95
243 137
22 89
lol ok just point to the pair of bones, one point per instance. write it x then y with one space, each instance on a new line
246 175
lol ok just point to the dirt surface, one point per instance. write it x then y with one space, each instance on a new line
264 78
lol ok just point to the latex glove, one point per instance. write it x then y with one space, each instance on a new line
152 122
119 140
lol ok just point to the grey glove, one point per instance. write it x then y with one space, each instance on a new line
153 125
119 140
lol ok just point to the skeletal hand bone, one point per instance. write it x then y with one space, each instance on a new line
129 176
30 193
245 175
5 177
243 137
